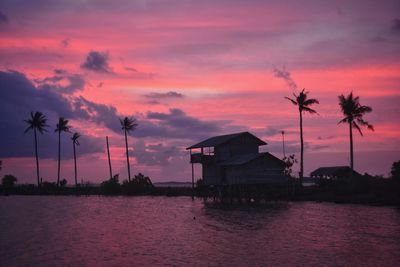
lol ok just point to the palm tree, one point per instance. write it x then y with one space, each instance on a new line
353 112
75 142
128 124
62 126
303 103
37 122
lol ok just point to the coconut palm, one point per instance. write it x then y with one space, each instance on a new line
75 142
62 126
301 100
37 122
353 112
128 124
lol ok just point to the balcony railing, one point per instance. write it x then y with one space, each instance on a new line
201 158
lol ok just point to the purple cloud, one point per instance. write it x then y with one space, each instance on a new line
97 61
170 94
286 76
62 82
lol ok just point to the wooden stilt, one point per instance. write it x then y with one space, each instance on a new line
192 181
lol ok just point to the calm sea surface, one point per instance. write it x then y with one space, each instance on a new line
149 231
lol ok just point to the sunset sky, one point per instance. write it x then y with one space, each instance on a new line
189 70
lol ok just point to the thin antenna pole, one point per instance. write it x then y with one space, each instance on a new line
283 143
109 159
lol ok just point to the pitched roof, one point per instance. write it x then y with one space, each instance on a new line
333 171
243 159
221 139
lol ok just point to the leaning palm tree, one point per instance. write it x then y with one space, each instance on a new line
353 113
75 142
37 122
62 126
128 124
304 104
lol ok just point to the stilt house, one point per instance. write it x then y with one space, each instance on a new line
333 173
235 159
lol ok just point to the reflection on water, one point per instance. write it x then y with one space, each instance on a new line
148 231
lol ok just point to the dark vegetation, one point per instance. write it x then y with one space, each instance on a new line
358 189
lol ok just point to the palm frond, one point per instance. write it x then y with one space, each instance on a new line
75 138
36 121
310 110
344 120
354 111
62 125
355 125
128 124
365 123
291 100
311 101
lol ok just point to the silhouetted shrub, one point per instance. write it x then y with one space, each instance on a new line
395 171
8 181
63 183
140 184
289 162
49 185
111 186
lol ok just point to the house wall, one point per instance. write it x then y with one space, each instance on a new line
239 146
258 171
210 173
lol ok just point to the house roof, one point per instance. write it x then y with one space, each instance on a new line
221 139
333 171
243 159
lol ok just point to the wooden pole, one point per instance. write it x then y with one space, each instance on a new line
283 143
109 159
192 174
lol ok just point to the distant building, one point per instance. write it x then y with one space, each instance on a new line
235 159
333 172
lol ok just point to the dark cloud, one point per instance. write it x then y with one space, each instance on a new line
99 113
3 17
276 147
178 125
97 61
154 154
318 147
65 43
177 118
19 97
396 25
286 76
153 102
63 82
271 131
325 137
170 94
379 39
131 69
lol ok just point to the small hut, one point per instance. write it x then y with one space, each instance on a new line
333 173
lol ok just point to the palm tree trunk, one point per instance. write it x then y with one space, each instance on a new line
302 150
76 171
351 147
109 159
59 157
37 159
127 157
